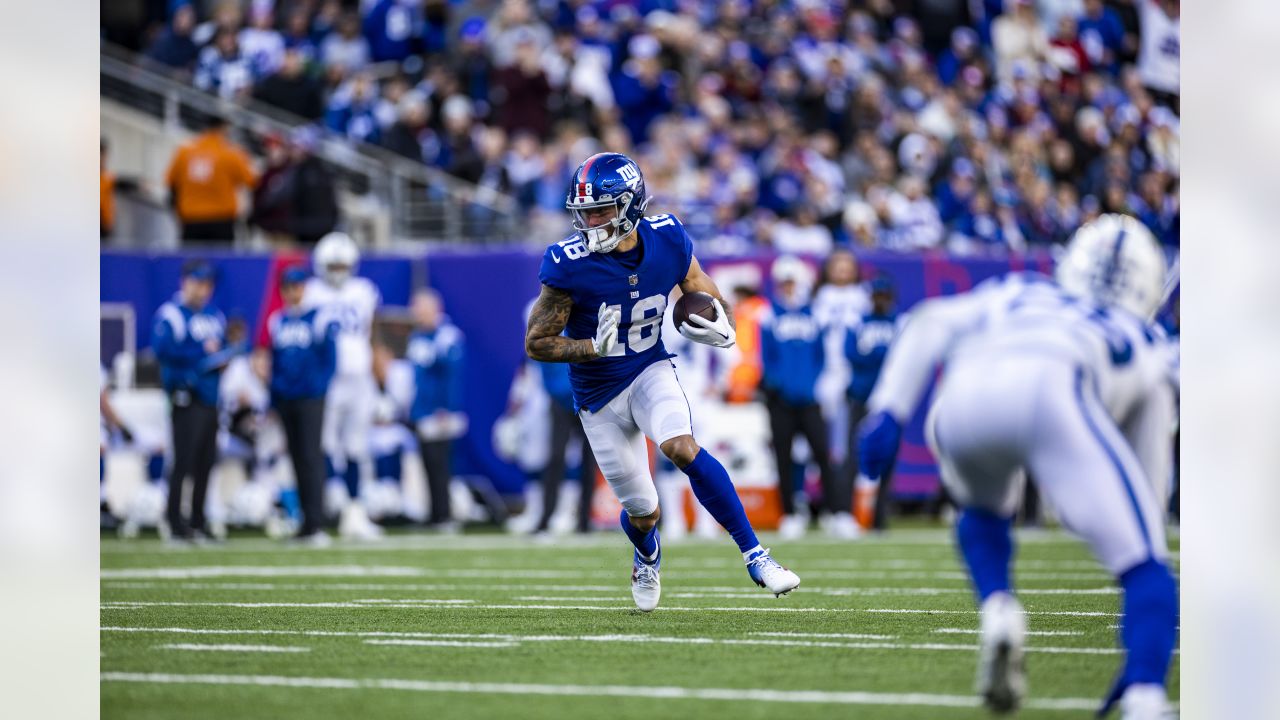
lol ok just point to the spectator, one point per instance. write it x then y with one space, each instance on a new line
865 347
203 179
273 195
187 337
458 153
392 27
347 50
913 218
791 355
303 359
803 235
291 90
520 91
297 36
978 229
436 351
174 49
1101 35
222 70
862 224
261 44
642 90
962 51
1018 37
410 136
313 200
108 184
353 109
1158 60
954 195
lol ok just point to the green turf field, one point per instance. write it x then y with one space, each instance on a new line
488 626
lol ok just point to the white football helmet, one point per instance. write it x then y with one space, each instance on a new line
336 257
1116 261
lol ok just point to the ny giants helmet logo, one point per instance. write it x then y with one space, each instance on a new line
630 175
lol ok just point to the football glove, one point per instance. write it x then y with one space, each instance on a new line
716 332
878 444
606 330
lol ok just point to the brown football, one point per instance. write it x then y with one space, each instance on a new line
695 303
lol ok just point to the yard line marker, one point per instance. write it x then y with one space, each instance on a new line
629 691
235 648
1059 613
447 643
208 571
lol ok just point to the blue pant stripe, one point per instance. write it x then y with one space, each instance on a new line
1115 460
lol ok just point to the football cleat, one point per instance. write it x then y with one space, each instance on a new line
354 524
1145 702
646 587
792 527
842 526
1002 679
768 574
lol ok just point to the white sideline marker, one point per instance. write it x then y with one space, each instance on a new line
629 691
236 648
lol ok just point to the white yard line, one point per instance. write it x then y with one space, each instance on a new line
236 648
627 691
1032 633
208 571
844 636
486 640
427 604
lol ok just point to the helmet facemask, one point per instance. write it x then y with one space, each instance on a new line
606 236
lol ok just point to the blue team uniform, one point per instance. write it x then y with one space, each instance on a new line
866 347
303 354
178 338
638 282
792 352
437 365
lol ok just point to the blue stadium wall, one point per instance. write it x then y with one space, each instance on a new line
485 293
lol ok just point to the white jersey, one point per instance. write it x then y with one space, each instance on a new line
353 306
1160 52
1027 314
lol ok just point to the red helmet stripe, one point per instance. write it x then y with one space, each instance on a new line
586 167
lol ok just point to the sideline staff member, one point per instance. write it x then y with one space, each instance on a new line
303 357
203 179
188 337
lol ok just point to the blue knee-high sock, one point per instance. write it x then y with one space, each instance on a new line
388 467
155 467
291 503
986 541
715 491
646 542
1149 627
330 468
351 476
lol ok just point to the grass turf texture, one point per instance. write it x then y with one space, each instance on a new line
473 598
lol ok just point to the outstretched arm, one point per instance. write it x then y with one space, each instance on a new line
542 339
699 281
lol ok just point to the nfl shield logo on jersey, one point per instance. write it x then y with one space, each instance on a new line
633 280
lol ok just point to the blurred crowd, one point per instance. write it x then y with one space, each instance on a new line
969 125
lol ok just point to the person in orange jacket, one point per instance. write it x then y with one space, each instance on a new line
204 178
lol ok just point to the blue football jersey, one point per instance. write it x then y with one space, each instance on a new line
639 293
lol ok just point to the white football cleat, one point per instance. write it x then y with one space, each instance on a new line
1145 702
767 573
318 539
792 527
1002 679
356 525
646 587
842 526
336 497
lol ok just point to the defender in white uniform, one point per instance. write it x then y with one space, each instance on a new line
1067 382
350 403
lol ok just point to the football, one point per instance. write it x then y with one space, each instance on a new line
695 303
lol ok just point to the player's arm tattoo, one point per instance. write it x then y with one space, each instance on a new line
699 281
542 339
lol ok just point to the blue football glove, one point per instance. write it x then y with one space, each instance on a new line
878 444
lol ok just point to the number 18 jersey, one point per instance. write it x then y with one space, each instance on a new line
638 291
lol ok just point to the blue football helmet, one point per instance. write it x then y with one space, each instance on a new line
607 180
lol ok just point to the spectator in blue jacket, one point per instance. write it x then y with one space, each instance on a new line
303 358
866 346
174 48
187 337
392 28
791 355
436 349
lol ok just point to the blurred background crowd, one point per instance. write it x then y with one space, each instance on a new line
975 126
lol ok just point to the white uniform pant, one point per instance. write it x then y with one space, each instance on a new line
348 415
654 406
995 420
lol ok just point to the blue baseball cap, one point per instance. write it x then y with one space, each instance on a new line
198 269
294 275
881 284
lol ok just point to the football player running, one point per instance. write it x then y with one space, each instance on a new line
601 306
350 405
1065 381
